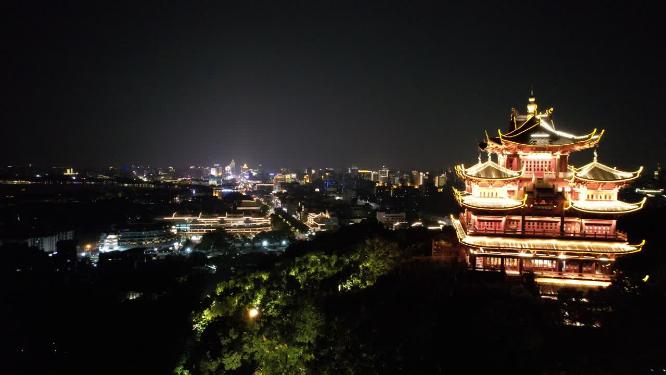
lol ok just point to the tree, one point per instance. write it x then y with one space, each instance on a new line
284 338
217 241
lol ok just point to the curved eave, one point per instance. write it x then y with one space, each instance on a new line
638 247
461 171
490 143
589 138
462 238
630 249
575 177
461 201
637 206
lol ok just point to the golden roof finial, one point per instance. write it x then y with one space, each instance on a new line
531 103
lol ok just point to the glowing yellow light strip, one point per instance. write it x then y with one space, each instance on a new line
552 129
482 252
638 206
511 135
571 282
568 246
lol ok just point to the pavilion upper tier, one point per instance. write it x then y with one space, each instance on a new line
535 132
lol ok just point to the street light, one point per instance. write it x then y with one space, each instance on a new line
252 313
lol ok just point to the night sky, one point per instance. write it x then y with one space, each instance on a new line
319 84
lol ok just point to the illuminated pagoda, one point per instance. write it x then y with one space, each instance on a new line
527 209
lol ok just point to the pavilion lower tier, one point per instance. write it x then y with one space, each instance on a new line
562 271
541 226
550 258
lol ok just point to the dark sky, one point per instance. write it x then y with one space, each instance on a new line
295 84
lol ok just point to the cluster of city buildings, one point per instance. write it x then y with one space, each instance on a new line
387 177
325 199
525 207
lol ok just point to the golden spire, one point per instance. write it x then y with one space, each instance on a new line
531 103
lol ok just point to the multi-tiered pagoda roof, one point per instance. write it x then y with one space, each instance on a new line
526 208
536 131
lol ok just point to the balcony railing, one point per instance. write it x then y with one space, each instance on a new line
518 232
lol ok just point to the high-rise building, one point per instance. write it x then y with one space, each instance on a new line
417 178
230 170
440 180
368 175
384 176
527 209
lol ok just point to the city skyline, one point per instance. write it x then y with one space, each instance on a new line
334 187
330 84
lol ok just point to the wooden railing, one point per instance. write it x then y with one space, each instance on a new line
470 229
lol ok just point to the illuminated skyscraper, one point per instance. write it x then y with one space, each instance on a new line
384 176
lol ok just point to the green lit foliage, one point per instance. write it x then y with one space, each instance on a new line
372 260
283 337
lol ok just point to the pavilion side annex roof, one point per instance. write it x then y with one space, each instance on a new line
487 203
598 172
488 170
606 207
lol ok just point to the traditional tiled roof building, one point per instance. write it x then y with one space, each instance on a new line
527 209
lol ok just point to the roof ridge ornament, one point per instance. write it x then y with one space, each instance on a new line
595 155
